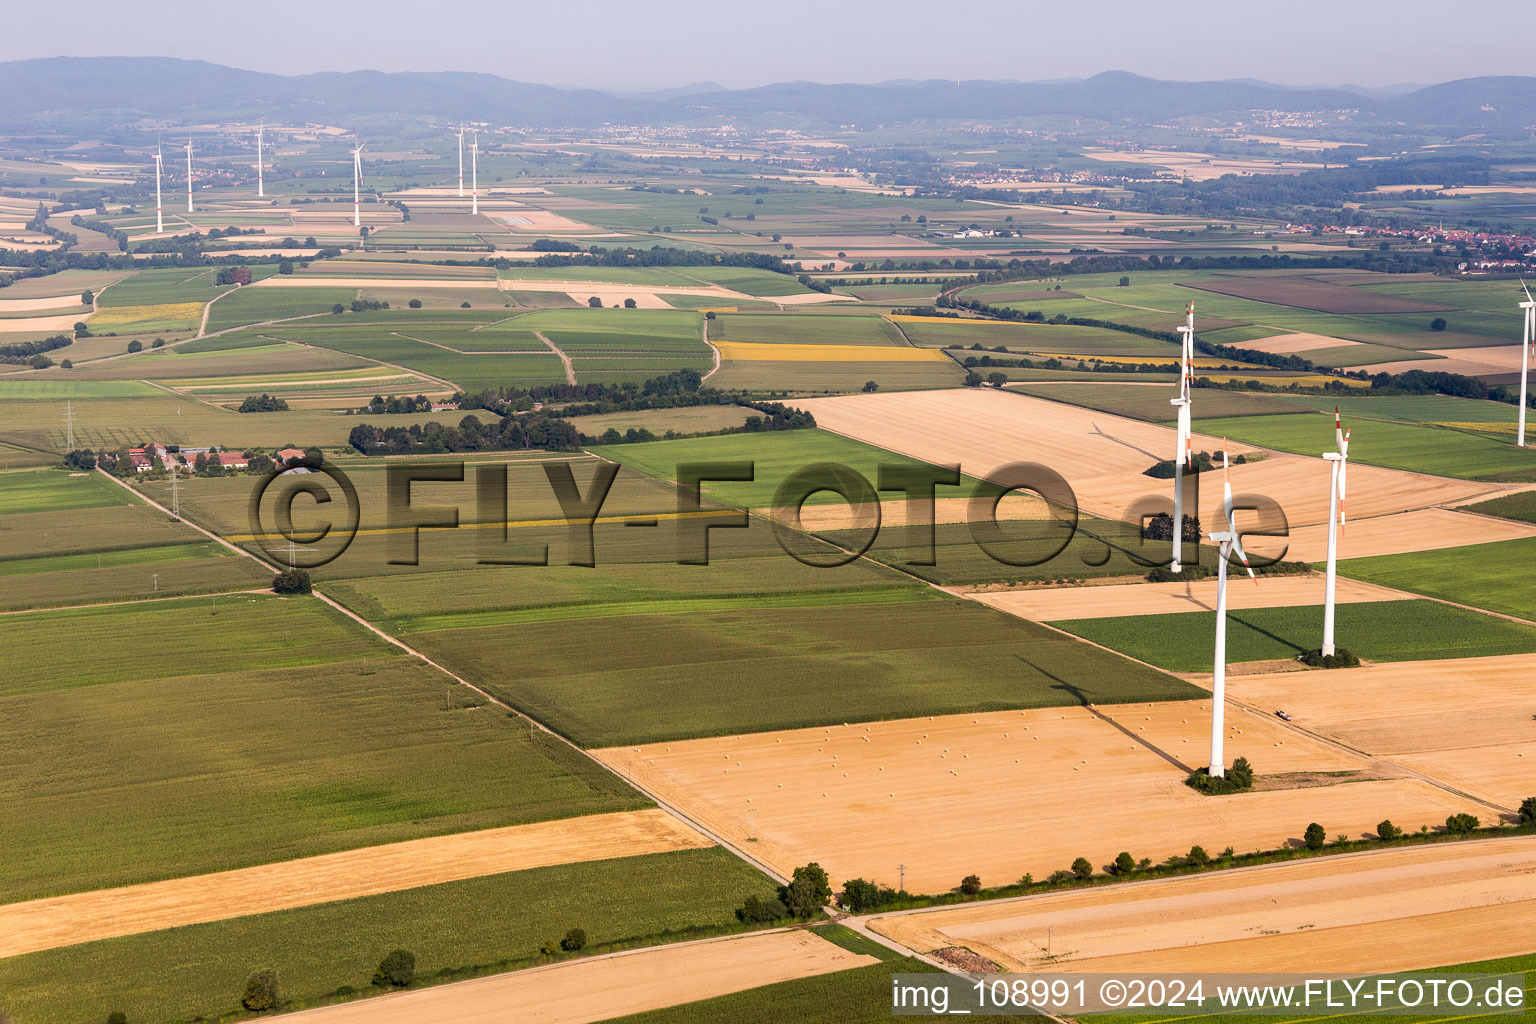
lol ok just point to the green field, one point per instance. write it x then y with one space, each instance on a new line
61 389
495 922
246 731
1376 631
1492 576
819 377
254 305
53 490
1521 506
1418 448
191 566
760 665
1052 338
1151 404
774 456
803 329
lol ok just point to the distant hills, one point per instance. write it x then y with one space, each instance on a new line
79 92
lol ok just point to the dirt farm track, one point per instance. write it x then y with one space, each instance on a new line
1414 907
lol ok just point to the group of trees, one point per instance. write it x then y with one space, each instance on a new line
31 352
380 405
807 892
1237 779
540 417
234 275
263 403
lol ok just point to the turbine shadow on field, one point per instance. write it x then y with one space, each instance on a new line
1282 641
1098 431
1082 700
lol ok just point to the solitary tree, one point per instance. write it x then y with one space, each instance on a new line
1528 811
396 970
1125 282
629 303
1082 868
1124 863
1437 324
1198 857
595 302
870 385
574 940
1315 836
414 303
808 890
970 885
1387 831
87 297
135 345
260 991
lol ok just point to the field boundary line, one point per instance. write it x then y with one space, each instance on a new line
115 604
570 367
462 352
714 350
492 698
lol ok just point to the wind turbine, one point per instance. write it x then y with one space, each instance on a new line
357 186
1182 453
159 213
1229 543
474 174
1528 342
261 186
189 174
461 161
1336 520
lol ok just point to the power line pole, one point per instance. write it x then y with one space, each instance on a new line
69 424
175 492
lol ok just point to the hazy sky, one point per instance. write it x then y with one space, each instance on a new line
640 44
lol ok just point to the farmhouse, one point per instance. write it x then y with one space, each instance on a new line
287 455
230 460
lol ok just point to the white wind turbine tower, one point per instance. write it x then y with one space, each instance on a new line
261 185
189 174
1229 543
159 210
1340 463
357 186
461 161
474 174
1182 453
1528 342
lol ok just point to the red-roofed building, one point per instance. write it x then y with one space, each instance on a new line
231 460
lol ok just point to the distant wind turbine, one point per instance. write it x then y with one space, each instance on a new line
1527 343
159 210
1182 453
1340 462
357 186
261 187
1229 543
189 174
461 161
474 174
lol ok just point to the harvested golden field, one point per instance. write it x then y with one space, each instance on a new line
1389 910
1104 456
1468 722
112 316
1424 529
603 987
88 916
1003 793
1048 604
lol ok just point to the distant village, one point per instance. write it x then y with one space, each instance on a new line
156 458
